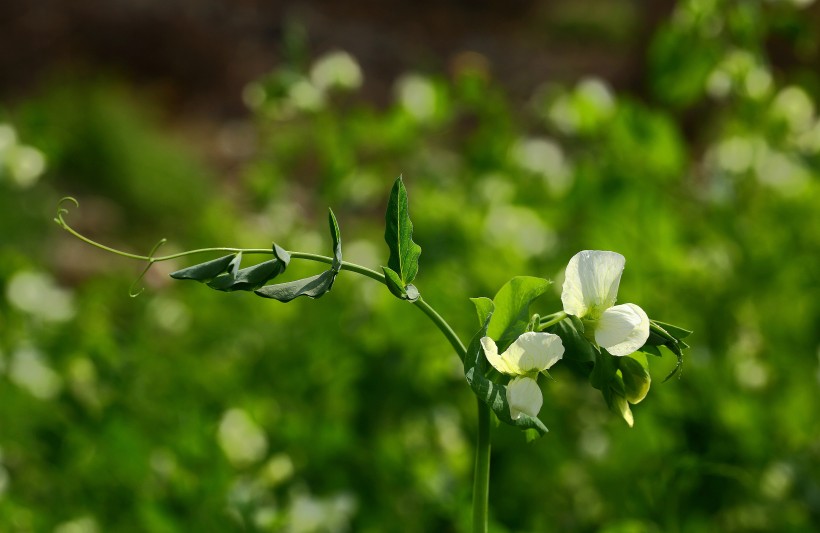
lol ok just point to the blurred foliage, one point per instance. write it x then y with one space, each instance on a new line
191 410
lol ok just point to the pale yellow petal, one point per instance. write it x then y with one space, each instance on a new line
491 353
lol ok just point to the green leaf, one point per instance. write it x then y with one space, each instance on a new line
337 241
393 282
493 394
281 254
398 233
512 308
312 287
205 271
484 307
233 266
676 331
650 349
250 278
576 346
604 371
659 335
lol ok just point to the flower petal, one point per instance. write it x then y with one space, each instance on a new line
491 352
622 329
591 281
524 397
533 352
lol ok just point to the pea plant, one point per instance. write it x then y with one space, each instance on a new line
511 350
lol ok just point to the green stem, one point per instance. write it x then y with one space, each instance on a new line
481 475
551 320
482 465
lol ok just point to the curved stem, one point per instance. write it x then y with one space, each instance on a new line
551 320
482 464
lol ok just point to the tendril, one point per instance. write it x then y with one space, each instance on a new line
151 261
63 211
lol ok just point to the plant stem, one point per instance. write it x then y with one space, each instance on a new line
551 320
482 464
481 476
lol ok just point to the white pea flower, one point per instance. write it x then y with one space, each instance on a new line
531 353
589 292
524 397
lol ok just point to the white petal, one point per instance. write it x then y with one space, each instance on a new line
533 352
622 329
491 352
524 397
591 281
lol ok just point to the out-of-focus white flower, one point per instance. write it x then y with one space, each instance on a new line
29 370
38 294
531 353
84 524
417 95
242 440
336 69
590 291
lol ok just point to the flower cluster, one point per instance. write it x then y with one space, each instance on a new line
589 293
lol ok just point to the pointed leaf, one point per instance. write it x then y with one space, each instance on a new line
250 278
393 282
512 308
205 271
484 307
650 349
312 287
493 394
676 331
281 254
398 233
233 266
337 241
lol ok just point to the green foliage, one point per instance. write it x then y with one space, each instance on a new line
511 306
355 407
314 286
206 271
493 394
403 264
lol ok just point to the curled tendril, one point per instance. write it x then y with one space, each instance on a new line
151 257
63 211
151 261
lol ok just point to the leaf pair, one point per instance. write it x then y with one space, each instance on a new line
224 274
503 319
403 263
314 286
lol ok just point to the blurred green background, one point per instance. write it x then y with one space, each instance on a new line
682 135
